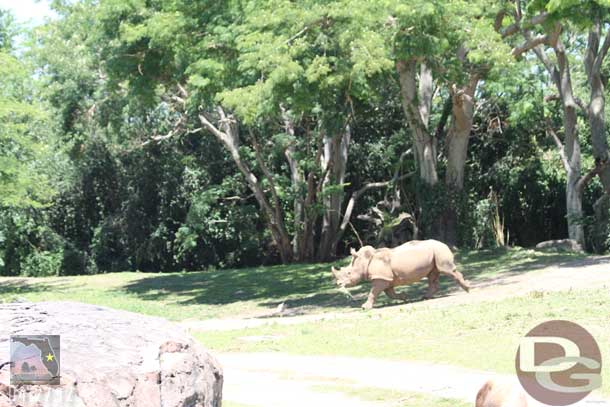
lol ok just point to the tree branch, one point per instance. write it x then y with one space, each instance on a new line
602 53
559 144
440 128
183 91
530 44
582 105
356 195
584 180
276 200
517 26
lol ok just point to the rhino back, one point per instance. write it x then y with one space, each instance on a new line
412 263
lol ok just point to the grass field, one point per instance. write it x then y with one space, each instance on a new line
248 292
482 336
478 335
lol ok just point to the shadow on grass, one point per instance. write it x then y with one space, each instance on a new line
304 287
220 287
12 290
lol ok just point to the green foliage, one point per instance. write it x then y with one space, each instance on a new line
8 30
24 137
84 190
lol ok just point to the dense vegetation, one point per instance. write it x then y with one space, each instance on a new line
166 135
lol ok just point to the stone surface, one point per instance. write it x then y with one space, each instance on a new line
562 244
111 358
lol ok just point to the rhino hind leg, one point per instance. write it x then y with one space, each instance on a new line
457 276
432 284
394 295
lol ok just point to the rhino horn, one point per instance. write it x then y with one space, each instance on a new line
352 251
334 270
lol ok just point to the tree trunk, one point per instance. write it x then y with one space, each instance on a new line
560 74
600 229
228 134
334 164
569 150
596 110
574 208
416 103
297 180
458 138
572 145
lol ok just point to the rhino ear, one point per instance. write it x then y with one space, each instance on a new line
368 251
352 251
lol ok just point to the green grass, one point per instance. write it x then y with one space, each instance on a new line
250 291
482 336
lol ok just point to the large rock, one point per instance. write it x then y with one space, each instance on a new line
111 358
569 245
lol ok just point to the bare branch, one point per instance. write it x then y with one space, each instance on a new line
356 195
211 128
559 144
584 180
276 200
550 66
177 129
530 44
498 21
179 99
582 105
517 26
183 91
356 233
602 53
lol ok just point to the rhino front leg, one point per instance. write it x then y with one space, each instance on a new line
394 295
377 287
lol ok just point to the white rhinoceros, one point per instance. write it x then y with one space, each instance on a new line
402 265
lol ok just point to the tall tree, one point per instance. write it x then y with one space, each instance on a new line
443 48
544 26
320 60
236 73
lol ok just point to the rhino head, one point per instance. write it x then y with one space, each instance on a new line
353 274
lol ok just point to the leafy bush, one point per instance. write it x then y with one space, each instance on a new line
42 264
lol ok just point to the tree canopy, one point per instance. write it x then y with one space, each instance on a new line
168 135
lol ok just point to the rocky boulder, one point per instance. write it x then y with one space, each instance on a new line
111 358
569 245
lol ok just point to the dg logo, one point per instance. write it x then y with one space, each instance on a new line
559 363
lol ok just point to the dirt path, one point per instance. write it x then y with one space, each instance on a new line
280 380
593 272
